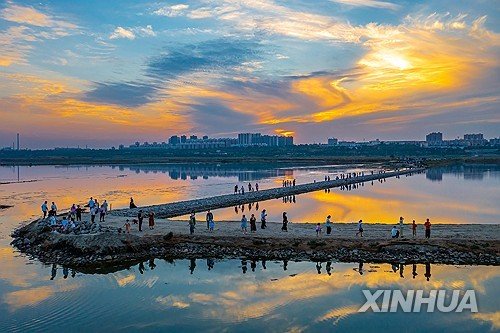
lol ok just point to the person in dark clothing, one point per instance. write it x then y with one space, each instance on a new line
285 222
210 217
132 204
427 225
192 223
79 213
253 223
140 218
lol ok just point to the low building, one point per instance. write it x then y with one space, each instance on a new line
333 141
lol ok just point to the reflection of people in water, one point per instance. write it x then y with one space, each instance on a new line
395 267
53 273
192 265
141 267
329 267
285 265
264 263
428 271
360 268
151 264
210 263
318 267
401 270
414 271
244 267
65 272
253 265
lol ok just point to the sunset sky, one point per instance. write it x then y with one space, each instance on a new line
108 72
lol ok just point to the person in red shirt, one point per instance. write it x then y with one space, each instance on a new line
427 225
414 228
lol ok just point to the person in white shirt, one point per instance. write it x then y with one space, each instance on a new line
263 216
91 203
93 213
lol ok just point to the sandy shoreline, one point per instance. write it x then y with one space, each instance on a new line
307 229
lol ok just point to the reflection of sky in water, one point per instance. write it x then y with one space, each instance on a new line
156 295
169 295
455 198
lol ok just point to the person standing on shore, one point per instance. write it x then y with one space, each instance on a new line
328 225
192 223
242 190
285 222
256 186
140 218
427 225
318 229
72 213
93 213
401 225
211 225
244 224
91 203
151 220
45 209
263 216
360 228
210 217
78 213
235 189
253 223
53 208
102 213
414 228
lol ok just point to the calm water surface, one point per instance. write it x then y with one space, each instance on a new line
189 295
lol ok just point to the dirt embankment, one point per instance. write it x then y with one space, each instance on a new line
105 246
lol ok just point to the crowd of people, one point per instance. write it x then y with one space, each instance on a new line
74 216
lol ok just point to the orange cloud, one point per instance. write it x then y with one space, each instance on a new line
402 66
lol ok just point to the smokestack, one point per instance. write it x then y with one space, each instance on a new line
17 141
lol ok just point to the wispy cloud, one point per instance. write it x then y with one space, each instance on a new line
172 11
368 3
31 26
132 33
121 32
31 16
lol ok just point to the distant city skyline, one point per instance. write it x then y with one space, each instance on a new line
89 73
189 141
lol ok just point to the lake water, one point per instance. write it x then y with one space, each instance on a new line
236 295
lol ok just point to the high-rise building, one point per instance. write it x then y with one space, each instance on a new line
183 139
249 139
193 138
